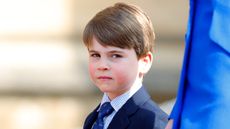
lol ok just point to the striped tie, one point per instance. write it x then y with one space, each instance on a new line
105 110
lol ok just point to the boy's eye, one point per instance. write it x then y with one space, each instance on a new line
116 56
94 55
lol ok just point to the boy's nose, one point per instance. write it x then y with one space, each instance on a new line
103 65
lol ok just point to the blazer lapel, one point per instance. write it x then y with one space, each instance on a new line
121 119
91 118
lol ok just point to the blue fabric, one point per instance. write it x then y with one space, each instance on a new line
105 110
203 100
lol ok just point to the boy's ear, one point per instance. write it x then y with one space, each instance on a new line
146 62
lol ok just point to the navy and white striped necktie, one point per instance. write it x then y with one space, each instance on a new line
105 110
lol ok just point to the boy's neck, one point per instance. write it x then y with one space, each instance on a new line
133 89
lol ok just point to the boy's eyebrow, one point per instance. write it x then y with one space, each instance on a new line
92 51
116 51
112 51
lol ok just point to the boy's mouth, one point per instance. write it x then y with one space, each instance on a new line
104 78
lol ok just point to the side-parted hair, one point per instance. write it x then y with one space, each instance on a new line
123 26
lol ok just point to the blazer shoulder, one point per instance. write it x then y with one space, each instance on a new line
150 110
148 116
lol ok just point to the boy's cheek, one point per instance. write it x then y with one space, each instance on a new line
122 80
91 70
121 76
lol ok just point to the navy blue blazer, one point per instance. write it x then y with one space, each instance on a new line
139 112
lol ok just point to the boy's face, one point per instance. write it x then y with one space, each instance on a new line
113 70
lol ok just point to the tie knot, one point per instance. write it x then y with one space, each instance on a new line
105 110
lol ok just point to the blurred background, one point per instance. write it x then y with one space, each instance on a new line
44 81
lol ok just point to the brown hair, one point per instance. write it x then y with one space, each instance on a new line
123 26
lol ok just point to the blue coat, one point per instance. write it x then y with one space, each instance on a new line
139 112
203 100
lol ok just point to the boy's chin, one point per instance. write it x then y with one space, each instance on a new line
104 88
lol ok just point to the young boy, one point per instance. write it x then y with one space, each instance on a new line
119 40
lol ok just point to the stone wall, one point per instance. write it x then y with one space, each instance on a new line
44 81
